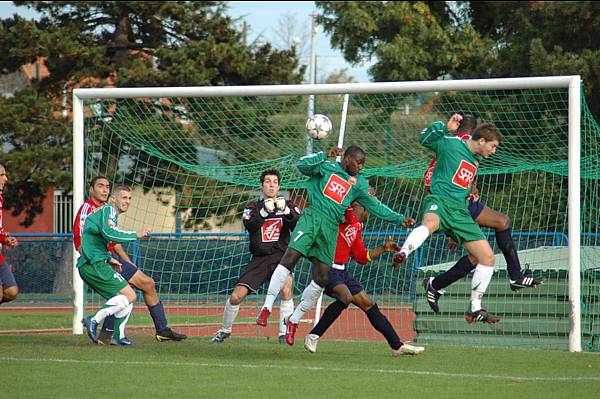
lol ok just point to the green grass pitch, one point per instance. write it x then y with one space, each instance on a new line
66 366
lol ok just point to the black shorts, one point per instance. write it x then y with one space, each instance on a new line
259 270
7 278
127 269
337 277
475 208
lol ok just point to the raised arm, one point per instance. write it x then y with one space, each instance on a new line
432 135
310 165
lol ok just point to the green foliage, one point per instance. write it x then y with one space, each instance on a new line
39 141
97 44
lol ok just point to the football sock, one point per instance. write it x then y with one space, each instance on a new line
277 282
415 239
479 283
455 273
229 315
121 319
286 308
383 325
310 297
112 306
109 324
509 250
330 315
157 312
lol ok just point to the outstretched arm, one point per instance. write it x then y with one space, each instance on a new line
362 255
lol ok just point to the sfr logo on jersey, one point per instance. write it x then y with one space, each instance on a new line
336 188
349 234
271 230
464 174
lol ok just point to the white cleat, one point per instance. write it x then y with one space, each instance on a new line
407 349
310 342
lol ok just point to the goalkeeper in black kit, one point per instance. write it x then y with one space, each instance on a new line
269 223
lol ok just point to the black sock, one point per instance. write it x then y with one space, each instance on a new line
382 324
330 315
109 324
509 250
455 273
157 312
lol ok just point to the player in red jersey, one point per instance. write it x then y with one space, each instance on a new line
8 285
346 289
99 192
485 217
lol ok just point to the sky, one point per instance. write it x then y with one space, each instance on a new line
264 19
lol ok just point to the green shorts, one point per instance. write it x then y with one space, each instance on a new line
102 278
455 218
315 235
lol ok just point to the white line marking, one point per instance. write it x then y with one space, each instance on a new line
309 368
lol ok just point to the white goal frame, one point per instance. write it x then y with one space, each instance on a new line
572 83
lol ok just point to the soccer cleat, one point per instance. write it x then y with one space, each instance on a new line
310 342
219 337
91 327
433 295
526 281
407 349
398 258
169 335
104 337
290 332
122 342
482 316
261 320
282 339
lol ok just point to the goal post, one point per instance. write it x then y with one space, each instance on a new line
202 147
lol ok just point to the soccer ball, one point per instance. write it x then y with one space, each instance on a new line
318 127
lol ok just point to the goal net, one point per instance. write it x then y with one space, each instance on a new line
193 157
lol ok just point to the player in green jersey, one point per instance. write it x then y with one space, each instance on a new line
95 265
446 208
331 188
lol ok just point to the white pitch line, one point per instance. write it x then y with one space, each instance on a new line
307 368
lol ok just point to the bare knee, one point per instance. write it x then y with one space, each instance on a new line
238 295
9 294
345 298
145 283
487 259
286 291
504 222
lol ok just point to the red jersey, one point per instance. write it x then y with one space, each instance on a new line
349 241
3 235
84 211
431 167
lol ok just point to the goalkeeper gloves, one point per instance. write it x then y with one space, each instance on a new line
268 207
282 206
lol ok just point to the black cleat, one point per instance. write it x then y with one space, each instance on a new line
433 295
482 316
526 281
105 336
169 335
219 337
